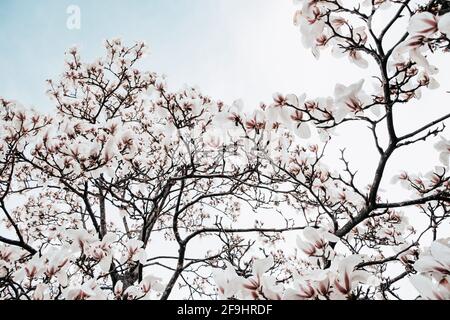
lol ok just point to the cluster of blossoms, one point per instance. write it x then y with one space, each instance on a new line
405 70
340 280
56 272
88 195
345 278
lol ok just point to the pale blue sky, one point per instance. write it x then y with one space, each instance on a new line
230 48
34 35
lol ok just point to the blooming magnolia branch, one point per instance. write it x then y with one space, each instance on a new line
127 167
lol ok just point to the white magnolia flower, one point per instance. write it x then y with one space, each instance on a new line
281 109
135 252
57 266
31 270
310 285
347 277
228 282
213 139
151 283
403 179
260 284
355 56
433 267
303 290
118 289
424 24
424 79
349 99
315 242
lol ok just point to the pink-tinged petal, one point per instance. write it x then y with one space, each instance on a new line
279 99
423 23
324 287
311 234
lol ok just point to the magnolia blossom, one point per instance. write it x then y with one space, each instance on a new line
444 24
135 252
257 286
433 267
151 283
102 251
423 27
315 242
88 291
310 286
427 24
285 111
337 282
260 285
312 27
430 289
355 56
438 262
347 277
349 99
229 117
424 23
228 282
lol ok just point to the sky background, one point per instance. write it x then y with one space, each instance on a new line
231 49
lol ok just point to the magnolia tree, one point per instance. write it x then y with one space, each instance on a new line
133 191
